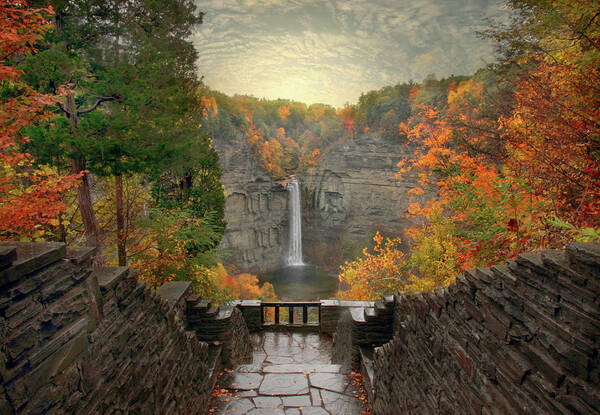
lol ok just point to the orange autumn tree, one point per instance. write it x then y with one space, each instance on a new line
279 155
346 115
284 112
209 106
552 134
484 200
243 286
374 273
31 196
514 151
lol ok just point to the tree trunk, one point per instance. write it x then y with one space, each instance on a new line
84 194
62 232
185 184
86 210
121 233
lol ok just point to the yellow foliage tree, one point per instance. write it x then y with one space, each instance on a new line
374 274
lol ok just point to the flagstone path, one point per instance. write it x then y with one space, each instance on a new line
291 374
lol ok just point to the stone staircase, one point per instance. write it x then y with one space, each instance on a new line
291 374
373 329
221 326
360 330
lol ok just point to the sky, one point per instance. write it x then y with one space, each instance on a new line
330 51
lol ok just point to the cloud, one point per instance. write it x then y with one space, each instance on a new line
332 50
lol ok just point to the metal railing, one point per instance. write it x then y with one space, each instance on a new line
294 318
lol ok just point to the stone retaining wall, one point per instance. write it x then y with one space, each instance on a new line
222 325
363 324
77 341
519 338
344 349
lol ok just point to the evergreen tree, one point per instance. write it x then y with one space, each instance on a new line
131 106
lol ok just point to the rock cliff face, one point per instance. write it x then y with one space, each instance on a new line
352 193
256 209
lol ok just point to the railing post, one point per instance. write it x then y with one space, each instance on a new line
319 309
291 319
262 314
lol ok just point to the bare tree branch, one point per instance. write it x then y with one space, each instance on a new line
97 103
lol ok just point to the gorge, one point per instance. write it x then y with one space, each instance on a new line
174 244
352 193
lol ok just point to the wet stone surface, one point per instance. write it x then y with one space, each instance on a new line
291 374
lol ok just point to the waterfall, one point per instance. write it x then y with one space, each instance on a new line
294 256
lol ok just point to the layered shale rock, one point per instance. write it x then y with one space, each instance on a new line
353 192
94 341
256 209
520 338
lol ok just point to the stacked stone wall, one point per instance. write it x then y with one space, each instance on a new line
222 325
76 340
363 324
345 351
520 338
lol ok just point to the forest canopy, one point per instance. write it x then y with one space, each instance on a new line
514 151
106 136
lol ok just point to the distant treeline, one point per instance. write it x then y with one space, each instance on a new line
289 136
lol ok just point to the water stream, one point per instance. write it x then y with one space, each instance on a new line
294 256
297 280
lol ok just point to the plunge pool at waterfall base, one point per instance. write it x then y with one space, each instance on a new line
301 283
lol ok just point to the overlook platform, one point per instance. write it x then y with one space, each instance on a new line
520 337
291 374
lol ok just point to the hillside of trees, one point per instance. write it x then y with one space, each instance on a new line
101 143
106 130
289 136
514 151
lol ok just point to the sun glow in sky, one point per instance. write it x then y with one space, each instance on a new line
329 51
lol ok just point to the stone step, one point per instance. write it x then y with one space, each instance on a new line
197 310
388 299
79 255
109 277
224 313
358 314
485 274
174 292
558 262
380 306
302 368
502 273
30 257
370 313
585 256
212 311
192 300
202 305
